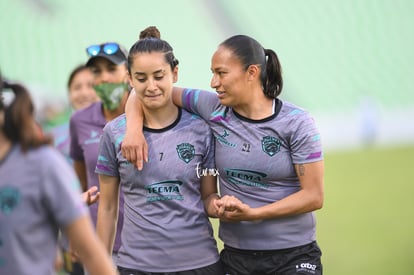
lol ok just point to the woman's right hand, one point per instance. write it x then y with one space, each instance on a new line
134 148
91 195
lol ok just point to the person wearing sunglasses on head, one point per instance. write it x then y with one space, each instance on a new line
39 195
166 225
108 63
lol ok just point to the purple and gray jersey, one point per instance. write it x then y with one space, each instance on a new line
39 194
61 139
86 126
165 227
255 160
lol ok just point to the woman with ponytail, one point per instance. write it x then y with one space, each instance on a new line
39 194
269 158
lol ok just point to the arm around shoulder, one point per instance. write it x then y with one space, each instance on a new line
134 146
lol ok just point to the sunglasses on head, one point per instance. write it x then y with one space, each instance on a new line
107 48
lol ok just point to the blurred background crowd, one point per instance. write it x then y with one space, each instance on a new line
348 62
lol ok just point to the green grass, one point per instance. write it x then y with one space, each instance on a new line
367 223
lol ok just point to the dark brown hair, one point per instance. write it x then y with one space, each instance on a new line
20 125
150 31
250 52
75 71
150 42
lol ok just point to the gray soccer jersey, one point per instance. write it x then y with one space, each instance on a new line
255 160
165 226
39 193
86 127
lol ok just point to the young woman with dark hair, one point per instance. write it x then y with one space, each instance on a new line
39 194
167 205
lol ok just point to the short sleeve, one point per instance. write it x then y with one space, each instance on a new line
200 102
306 143
107 156
61 189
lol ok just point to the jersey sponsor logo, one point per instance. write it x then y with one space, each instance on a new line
222 139
246 177
306 268
270 145
185 152
9 199
163 191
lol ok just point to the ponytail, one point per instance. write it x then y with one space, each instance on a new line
273 82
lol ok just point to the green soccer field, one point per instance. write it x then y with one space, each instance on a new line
367 223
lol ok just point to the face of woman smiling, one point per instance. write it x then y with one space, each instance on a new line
230 79
81 92
152 78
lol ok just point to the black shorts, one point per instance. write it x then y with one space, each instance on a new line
214 269
305 259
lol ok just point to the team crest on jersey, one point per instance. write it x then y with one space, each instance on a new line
270 145
185 152
9 199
